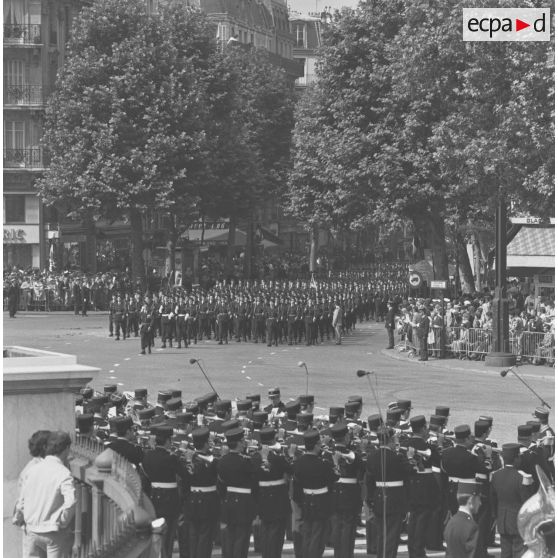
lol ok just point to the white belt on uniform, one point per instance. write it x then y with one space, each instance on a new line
425 471
164 485
436 469
389 484
481 476
315 491
464 481
239 490
346 480
277 482
203 488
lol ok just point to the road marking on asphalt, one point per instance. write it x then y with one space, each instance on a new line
112 377
127 358
111 371
120 383
271 353
244 366
248 377
242 372
261 385
116 364
249 362
260 358
68 343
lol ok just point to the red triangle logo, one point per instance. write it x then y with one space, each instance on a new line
519 24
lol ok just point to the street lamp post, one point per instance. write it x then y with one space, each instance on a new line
500 355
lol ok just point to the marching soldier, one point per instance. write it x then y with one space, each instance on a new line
347 501
238 480
387 473
271 324
147 326
202 503
313 480
132 322
163 469
273 497
461 465
167 321
181 324
423 489
119 317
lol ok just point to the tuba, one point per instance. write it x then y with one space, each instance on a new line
535 520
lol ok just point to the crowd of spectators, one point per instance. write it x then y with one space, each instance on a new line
468 324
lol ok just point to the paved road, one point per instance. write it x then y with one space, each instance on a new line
237 369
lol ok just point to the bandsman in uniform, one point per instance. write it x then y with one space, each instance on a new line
509 490
163 469
313 480
461 465
238 482
147 326
347 500
202 503
387 474
273 494
124 444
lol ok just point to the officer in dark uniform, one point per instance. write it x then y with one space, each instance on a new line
292 313
202 502
119 318
422 333
133 315
423 489
271 324
147 326
390 324
347 501
309 323
313 480
180 324
124 443
461 465
163 469
387 473
238 483
167 321
273 496
276 407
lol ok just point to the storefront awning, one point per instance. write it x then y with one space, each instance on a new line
532 247
217 237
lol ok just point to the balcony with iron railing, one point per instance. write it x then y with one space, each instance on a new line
22 34
23 95
25 158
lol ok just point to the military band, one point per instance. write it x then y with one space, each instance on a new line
219 471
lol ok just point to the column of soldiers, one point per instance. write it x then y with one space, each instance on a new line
219 473
288 313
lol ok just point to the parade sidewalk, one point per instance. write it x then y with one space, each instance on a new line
526 371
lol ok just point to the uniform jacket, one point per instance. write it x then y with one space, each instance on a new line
509 489
127 449
461 534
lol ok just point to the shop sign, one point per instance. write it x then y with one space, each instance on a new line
24 234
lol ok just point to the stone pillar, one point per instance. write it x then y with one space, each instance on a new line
39 394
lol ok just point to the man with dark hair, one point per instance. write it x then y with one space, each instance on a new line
461 532
123 445
422 333
390 324
47 501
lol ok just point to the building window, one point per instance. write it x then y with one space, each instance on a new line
14 71
14 208
300 36
14 134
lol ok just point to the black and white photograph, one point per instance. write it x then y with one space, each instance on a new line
279 278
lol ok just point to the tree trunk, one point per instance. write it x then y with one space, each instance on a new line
230 247
439 252
313 248
249 251
477 258
465 271
138 267
171 248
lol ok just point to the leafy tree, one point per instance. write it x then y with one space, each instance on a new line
126 126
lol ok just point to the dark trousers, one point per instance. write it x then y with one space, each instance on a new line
343 535
391 338
165 502
133 324
201 534
314 534
236 539
145 338
417 530
511 546
271 332
272 536
167 331
119 326
392 524
423 347
484 521
291 332
371 536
